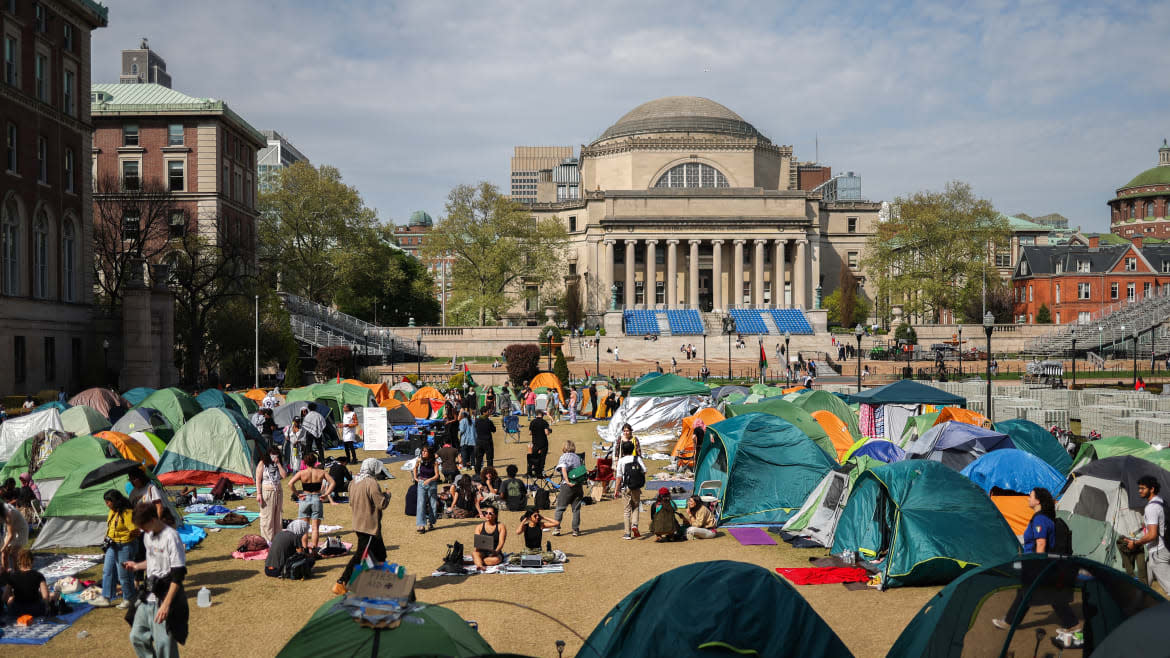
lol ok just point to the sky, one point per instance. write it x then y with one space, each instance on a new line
1041 106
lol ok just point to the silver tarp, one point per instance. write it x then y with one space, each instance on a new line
655 420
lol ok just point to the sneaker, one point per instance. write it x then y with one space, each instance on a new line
634 532
576 533
339 589
1069 640
556 533
626 537
124 604
100 602
1000 624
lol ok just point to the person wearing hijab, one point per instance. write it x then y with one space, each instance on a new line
367 500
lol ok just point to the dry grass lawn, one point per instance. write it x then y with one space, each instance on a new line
255 615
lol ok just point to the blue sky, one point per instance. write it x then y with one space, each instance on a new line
1041 106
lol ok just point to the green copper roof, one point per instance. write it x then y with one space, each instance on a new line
147 98
1018 224
1159 175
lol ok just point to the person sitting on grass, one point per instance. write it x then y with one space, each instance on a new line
338 469
513 490
701 522
489 484
465 503
499 534
531 527
25 591
663 522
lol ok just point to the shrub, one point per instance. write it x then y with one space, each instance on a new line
292 374
906 332
523 361
368 376
456 381
561 369
334 361
1043 315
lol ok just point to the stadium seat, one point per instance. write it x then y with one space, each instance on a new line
791 320
640 323
685 322
748 321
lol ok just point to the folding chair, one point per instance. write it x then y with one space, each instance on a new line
512 427
602 474
710 492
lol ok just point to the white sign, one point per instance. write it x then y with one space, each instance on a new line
374 427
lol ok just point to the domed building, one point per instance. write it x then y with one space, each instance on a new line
1141 206
684 204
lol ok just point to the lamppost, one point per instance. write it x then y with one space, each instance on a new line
1136 334
418 351
704 347
728 328
1074 364
597 354
988 327
858 332
106 352
550 337
787 359
1101 343
960 352
366 345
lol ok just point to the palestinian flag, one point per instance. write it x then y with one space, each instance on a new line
467 375
586 373
763 357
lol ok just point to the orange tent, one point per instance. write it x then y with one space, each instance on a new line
963 416
127 447
425 393
420 408
791 389
684 448
381 391
548 380
391 403
837 430
1016 510
257 394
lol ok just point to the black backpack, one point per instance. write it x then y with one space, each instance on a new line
1061 538
633 475
541 499
297 567
515 494
412 500
453 560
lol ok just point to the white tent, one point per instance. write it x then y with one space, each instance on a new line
14 431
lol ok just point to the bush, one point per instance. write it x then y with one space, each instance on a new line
906 332
334 361
413 379
1043 315
368 376
456 381
601 331
292 374
523 362
561 369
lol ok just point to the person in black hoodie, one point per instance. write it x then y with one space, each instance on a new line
484 446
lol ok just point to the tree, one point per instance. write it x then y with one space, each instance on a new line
561 369
131 224
1043 315
373 273
844 305
498 248
995 297
523 361
292 374
233 349
333 362
932 245
906 332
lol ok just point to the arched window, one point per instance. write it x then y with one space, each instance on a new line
41 256
692 174
68 261
10 248
1132 211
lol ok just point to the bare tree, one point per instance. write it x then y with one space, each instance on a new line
131 223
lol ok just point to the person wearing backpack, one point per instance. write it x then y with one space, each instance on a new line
572 492
1154 521
513 490
631 474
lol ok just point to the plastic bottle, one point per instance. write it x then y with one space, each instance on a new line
82 635
204 599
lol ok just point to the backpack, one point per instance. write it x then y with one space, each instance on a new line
541 499
412 500
515 494
1061 538
297 567
453 560
250 543
222 486
633 475
333 546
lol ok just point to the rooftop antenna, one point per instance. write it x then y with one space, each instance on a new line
817 141
145 45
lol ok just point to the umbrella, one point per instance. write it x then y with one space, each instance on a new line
109 471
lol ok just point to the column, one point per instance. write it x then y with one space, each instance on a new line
630 299
800 275
693 280
651 284
717 275
758 283
778 279
735 299
671 273
607 278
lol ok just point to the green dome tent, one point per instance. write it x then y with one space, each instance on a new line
824 401
1030 437
176 406
766 465
428 631
32 453
915 427
791 413
335 395
83 419
747 610
928 521
816 521
214 398
247 405
215 443
136 395
1114 446
151 442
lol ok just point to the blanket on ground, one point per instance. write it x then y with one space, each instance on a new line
824 575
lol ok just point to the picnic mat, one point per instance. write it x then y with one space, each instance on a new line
504 568
43 629
55 567
824 575
751 536
191 535
263 554
243 491
208 520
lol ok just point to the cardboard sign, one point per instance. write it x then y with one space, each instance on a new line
375 428
379 584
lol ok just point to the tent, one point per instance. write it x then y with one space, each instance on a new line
684 449
655 409
836 430
427 392
916 426
1015 510
32 453
136 395
284 414
956 444
957 621
429 630
908 391
1114 446
247 405
406 387
145 419
151 443
669 385
217 442
59 407
549 380
1137 634
766 465
83 419
720 392
1013 470
14 431
879 449
1100 503
815 522
1030 437
825 401
128 448
926 521
963 416
256 395
791 413
176 406
421 408
105 401
380 390
335 395
648 376
648 621
213 398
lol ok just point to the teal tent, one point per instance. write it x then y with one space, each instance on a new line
802 419
766 465
647 376
136 395
908 391
61 407
747 611
248 406
668 386
213 398
1030 437
175 405
925 521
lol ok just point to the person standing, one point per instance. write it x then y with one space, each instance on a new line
704 373
15 535
426 475
1154 522
631 474
570 494
615 354
574 399
160 622
467 438
540 431
309 507
61 397
314 425
367 500
270 400
294 438
144 491
592 401
449 461
121 533
530 403
349 425
269 473
485 449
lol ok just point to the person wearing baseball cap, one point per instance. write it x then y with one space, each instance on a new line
663 523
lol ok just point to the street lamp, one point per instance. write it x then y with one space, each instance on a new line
550 337
106 352
597 354
988 327
418 351
858 332
1136 334
960 352
1074 364
787 358
704 347
366 345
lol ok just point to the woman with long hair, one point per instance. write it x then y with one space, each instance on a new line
465 504
312 491
120 545
489 483
269 473
426 475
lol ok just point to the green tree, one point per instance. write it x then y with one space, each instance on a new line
232 347
292 374
561 369
498 248
1043 315
995 296
844 313
374 273
933 243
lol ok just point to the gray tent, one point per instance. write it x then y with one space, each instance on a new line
145 419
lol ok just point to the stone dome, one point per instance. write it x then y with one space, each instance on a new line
420 218
686 114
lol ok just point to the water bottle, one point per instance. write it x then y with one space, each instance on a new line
204 599
82 635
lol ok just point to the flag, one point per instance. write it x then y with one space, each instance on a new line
338 376
586 373
763 356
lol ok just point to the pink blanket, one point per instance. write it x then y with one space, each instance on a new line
263 555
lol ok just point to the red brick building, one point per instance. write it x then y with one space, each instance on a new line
1079 283
411 238
1141 205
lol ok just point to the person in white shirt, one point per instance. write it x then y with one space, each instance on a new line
349 425
569 495
1154 520
160 617
29 404
633 505
270 400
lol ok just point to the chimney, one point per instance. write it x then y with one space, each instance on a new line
1137 241
1094 241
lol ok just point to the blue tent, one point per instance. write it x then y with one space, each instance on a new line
1013 470
908 391
136 395
649 375
885 451
956 444
214 398
1030 437
59 406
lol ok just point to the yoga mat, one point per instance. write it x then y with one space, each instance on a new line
43 630
824 575
751 536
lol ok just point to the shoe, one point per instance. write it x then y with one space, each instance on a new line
101 602
1000 624
626 537
431 527
125 603
576 533
634 532
556 533
339 589
1069 640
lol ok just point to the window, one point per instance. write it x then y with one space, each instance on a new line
130 178
692 174
69 168
1058 317
134 69
10 249
1029 293
1166 266
50 358
40 75
1082 266
19 367
175 175
67 36
1027 241
639 292
1113 291
178 223
1130 291
42 160
1130 264
1003 258
10 148
175 134
1084 317
1145 290
40 19
1132 212
68 261
659 292
572 223
1059 266
131 220
67 93
852 224
1082 291
226 182
130 134
851 259
1058 293
11 64
41 256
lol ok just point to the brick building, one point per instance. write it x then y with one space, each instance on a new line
411 238
47 332
1142 206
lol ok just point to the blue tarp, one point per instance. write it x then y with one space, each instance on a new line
885 451
957 444
1014 470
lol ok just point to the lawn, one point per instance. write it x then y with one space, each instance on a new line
255 615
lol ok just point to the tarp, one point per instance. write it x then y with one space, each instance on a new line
956 444
128 448
83 419
963 416
217 442
767 466
1114 446
1016 511
669 385
145 419
836 430
649 622
335 395
929 522
1013 470
684 448
136 395
824 401
957 621
791 413
32 453
105 401
256 394
908 391
1030 437
549 380
176 406
14 431
654 420
879 449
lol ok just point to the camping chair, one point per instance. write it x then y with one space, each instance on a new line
711 500
512 427
602 474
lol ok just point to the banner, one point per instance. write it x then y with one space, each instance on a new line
375 428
